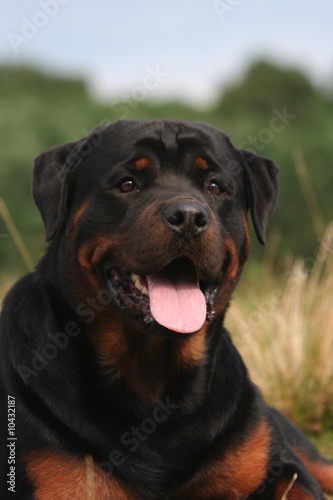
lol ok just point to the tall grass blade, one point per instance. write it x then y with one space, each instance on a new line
12 229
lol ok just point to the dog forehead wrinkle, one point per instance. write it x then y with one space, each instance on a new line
168 136
175 135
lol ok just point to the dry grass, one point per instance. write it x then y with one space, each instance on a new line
290 486
286 340
6 282
16 236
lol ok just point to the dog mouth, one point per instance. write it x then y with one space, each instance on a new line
176 298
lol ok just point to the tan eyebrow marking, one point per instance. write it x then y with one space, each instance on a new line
142 163
201 163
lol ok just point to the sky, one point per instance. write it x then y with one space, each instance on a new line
174 49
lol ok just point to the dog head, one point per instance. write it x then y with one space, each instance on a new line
155 215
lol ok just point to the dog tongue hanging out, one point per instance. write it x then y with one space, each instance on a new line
176 301
125 382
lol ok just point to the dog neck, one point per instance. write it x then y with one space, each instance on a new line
147 362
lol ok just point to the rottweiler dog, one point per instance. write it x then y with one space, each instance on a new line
118 378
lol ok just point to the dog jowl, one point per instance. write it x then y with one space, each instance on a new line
139 391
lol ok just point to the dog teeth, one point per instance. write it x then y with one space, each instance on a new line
138 284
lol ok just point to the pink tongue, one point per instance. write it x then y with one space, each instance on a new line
176 301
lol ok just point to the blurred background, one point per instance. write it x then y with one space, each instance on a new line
262 72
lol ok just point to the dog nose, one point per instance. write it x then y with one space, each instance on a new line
187 218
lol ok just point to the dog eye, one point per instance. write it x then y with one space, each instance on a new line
214 188
127 186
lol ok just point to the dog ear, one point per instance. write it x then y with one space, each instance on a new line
50 184
52 173
261 189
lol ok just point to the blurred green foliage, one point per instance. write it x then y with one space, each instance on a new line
271 110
